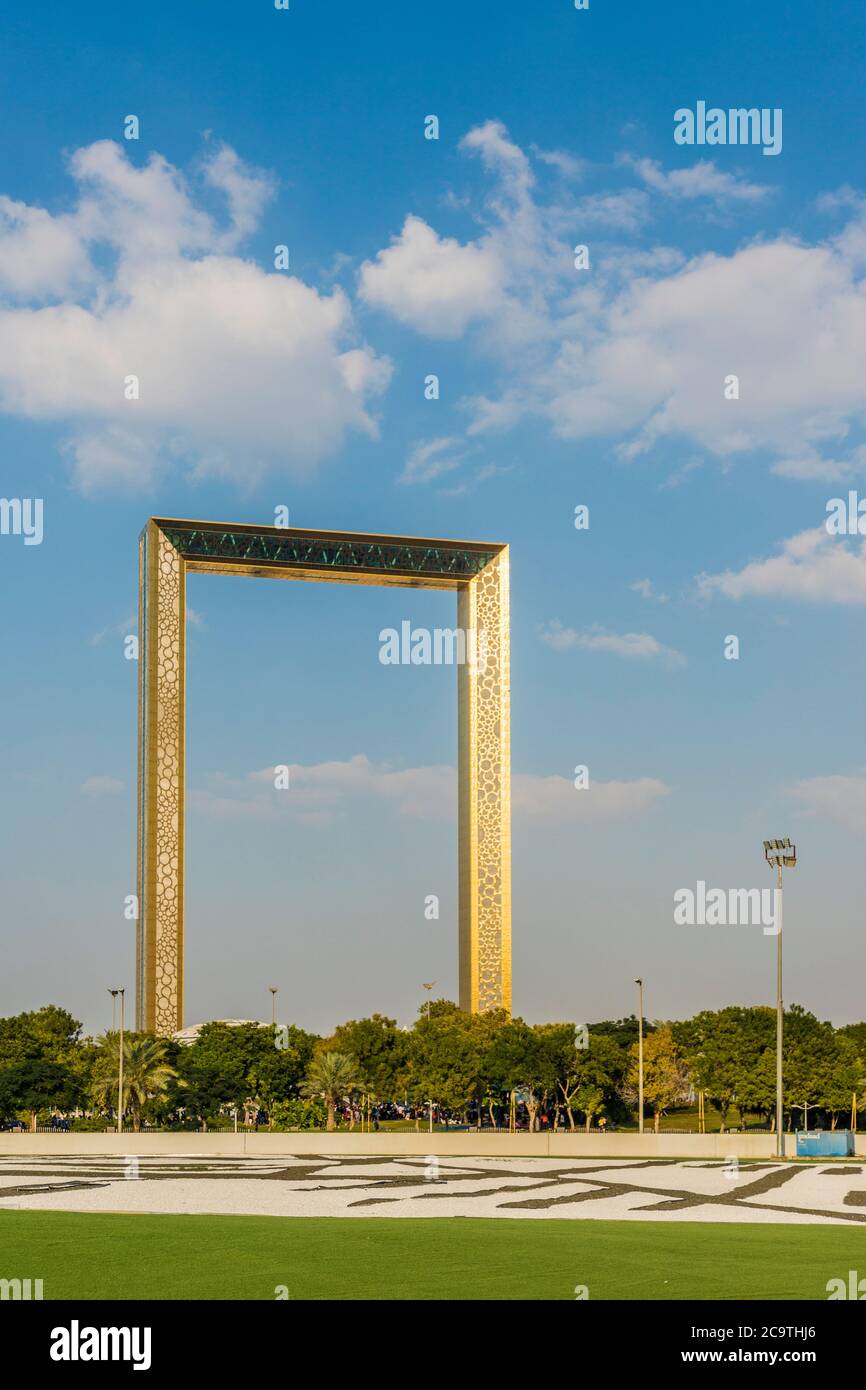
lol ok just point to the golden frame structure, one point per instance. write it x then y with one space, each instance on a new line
168 550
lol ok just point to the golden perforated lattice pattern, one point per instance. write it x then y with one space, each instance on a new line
492 789
168 791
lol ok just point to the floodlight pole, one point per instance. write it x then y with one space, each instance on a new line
780 1019
122 993
639 984
779 854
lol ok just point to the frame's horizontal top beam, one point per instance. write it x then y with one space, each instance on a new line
328 552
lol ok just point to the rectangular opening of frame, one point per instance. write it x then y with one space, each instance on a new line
478 573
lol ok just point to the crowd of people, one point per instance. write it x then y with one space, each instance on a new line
491 1116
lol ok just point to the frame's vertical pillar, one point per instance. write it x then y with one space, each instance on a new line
485 792
162 625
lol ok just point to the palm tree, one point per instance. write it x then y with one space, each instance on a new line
331 1075
146 1073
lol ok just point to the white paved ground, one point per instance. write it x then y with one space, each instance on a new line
632 1190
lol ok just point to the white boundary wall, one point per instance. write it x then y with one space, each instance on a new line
465 1144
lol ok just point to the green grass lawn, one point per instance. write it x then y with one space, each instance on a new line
105 1256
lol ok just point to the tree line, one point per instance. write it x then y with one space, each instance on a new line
481 1069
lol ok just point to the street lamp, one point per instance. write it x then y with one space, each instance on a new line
428 988
273 990
779 854
114 993
639 984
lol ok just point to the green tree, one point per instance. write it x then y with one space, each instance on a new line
842 1078
524 1058
730 1055
277 1070
217 1070
623 1031
299 1114
447 1056
596 1077
590 1100
32 1084
811 1062
559 1044
857 1034
41 1061
665 1077
380 1049
146 1072
332 1076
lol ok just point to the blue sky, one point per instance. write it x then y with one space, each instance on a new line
558 387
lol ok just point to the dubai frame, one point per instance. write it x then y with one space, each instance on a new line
168 550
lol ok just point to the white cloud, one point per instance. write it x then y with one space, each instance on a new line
499 153
626 211
556 798
497 283
319 793
127 625
678 476
111 455
564 163
647 590
639 645
248 191
627 262
141 212
809 466
656 360
432 459
433 283
812 566
640 346
101 786
40 255
700 180
841 799
240 371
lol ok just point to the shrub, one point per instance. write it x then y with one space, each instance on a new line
298 1114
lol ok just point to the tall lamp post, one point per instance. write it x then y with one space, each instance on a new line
114 993
779 854
639 984
273 990
428 988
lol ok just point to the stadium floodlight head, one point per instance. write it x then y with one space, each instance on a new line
780 854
